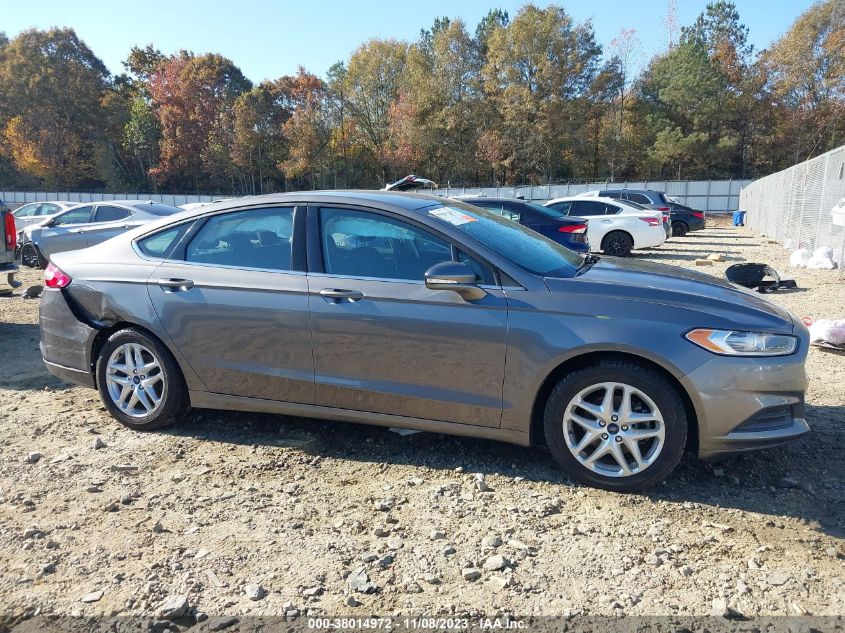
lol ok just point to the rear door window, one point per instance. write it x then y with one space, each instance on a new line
48 208
161 245
108 213
588 208
638 197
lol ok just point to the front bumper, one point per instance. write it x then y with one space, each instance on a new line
7 278
745 404
66 342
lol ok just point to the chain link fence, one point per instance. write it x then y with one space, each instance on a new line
801 207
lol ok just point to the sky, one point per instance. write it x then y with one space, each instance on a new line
271 38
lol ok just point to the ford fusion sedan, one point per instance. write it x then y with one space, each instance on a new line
84 225
405 310
568 231
614 227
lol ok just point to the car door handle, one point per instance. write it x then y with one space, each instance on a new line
338 293
175 284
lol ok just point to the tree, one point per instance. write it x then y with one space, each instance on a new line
805 77
52 88
306 131
194 99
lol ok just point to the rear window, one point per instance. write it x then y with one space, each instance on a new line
522 246
156 208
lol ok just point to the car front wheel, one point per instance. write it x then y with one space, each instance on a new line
139 381
31 258
616 425
617 243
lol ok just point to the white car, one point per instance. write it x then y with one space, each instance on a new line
36 212
615 227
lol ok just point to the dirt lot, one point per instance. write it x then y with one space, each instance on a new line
328 518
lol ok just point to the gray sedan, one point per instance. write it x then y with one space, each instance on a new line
84 225
37 212
411 311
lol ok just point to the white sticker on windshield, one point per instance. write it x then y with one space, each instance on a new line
452 216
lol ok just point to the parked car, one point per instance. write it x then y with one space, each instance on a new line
36 212
568 231
680 219
412 311
615 227
685 219
8 265
84 225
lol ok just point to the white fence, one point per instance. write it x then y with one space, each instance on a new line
794 206
705 195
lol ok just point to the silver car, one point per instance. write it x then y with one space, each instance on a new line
406 310
37 212
84 225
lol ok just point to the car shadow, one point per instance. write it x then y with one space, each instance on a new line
801 480
19 341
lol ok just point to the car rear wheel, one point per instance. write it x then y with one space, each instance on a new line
616 425
139 381
617 243
31 258
679 229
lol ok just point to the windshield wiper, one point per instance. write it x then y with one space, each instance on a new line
587 263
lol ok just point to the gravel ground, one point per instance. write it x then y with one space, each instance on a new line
245 514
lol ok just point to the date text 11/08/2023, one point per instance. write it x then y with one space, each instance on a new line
417 623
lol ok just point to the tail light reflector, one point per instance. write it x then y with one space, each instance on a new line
11 234
55 277
573 228
651 221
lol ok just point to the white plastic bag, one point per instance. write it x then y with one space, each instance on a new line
822 259
828 331
799 258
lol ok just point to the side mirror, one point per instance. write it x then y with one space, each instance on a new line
456 277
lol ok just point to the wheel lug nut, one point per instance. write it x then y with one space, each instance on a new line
604 436
618 439
602 422
624 428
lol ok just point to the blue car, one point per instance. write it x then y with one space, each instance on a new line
567 231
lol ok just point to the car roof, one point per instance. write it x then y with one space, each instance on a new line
404 200
587 199
470 200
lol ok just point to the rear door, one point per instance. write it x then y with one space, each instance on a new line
383 342
235 304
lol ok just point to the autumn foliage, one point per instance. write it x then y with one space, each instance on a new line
535 98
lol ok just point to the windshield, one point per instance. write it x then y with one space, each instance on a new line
522 246
156 208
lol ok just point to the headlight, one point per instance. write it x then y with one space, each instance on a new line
734 343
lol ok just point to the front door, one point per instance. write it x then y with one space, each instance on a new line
236 310
385 343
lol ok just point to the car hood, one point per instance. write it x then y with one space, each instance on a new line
718 302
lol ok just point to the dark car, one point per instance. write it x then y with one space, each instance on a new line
685 219
425 313
565 230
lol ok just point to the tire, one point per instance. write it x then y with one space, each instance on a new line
617 243
659 454
140 410
679 229
31 257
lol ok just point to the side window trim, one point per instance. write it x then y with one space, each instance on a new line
314 241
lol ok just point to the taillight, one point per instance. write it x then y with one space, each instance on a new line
651 221
11 234
573 228
55 277
698 214
664 209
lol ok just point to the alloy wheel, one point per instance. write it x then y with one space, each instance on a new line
614 429
29 256
134 380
